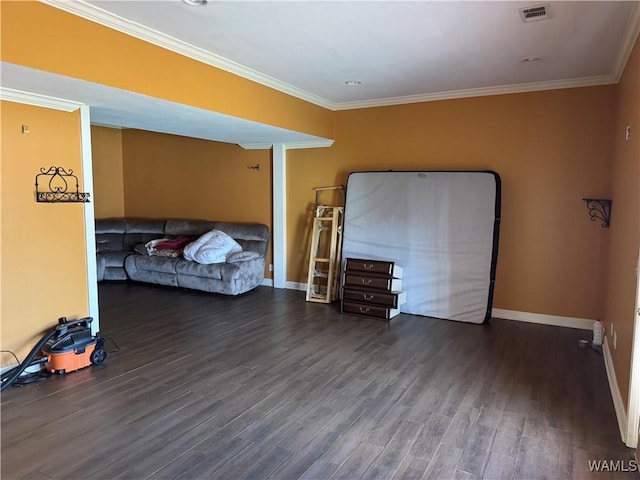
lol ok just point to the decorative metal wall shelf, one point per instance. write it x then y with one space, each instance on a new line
599 209
58 180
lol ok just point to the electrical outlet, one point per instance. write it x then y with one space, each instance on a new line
271 267
615 340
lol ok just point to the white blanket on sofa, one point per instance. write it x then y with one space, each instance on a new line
212 247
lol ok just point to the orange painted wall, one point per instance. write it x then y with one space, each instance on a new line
550 148
39 36
169 176
43 269
108 179
625 221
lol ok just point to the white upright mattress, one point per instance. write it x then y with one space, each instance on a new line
440 227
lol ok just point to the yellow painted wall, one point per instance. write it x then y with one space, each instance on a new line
169 176
43 269
39 36
551 150
108 180
625 221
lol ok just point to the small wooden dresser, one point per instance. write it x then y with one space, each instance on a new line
372 288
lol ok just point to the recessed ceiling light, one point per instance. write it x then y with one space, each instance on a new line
196 3
353 83
530 59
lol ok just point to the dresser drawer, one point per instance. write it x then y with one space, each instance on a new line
385 299
373 266
377 282
375 311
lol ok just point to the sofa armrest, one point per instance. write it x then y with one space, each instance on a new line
242 256
238 270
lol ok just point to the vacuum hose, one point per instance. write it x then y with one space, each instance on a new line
11 375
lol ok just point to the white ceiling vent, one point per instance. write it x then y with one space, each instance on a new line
535 13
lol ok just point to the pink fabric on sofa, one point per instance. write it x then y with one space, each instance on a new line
174 243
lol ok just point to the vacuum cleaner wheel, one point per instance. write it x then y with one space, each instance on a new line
98 356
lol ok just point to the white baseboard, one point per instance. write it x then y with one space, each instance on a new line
268 282
618 403
296 286
544 319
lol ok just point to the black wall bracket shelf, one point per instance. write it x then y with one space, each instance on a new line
599 209
58 180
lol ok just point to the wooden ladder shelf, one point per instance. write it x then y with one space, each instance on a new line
324 254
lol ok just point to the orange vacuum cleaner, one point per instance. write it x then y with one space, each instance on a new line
73 347
68 347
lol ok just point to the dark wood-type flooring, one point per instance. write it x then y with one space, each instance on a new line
266 385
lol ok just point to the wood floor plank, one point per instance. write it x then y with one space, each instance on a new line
558 452
395 450
462 475
358 461
477 449
430 437
529 462
268 464
500 467
444 462
319 469
411 467
303 459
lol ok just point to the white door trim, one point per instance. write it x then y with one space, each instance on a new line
89 218
279 184
279 215
633 410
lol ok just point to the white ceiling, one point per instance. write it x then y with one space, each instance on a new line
401 52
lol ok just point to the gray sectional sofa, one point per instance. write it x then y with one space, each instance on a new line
120 254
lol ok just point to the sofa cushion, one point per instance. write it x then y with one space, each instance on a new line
133 239
115 259
254 246
145 226
110 225
148 262
115 273
109 242
200 270
176 228
206 284
159 278
141 249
